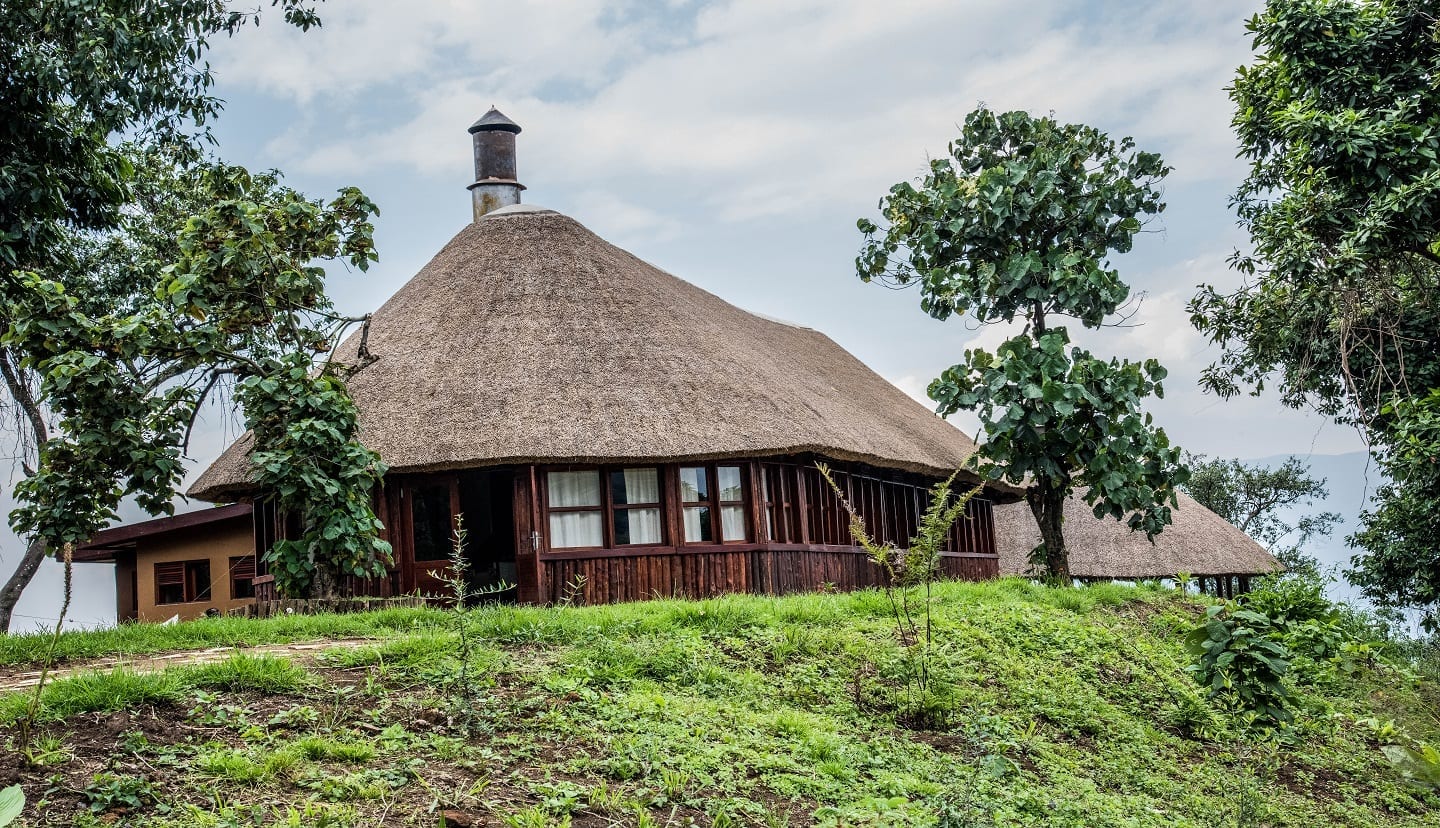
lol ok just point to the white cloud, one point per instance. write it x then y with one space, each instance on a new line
765 108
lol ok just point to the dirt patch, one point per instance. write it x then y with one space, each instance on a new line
304 651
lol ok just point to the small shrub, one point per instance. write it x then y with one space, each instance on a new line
1289 599
1240 661
1419 764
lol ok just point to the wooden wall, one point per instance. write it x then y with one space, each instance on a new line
775 569
799 540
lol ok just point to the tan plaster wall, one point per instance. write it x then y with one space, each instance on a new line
217 542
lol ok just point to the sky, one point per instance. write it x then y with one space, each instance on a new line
735 144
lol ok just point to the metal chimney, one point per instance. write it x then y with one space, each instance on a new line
495 184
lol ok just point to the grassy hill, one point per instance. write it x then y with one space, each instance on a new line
1046 707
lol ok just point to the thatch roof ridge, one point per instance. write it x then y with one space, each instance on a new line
1197 542
527 338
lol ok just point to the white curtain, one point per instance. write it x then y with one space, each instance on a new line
641 486
732 523
697 524
644 524
569 530
574 488
731 488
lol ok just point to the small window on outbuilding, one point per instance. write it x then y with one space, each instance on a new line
182 582
242 577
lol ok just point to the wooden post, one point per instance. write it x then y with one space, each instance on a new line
529 571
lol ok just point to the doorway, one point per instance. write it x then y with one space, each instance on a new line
487 500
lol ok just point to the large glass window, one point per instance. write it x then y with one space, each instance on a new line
712 500
695 500
732 503
576 511
635 506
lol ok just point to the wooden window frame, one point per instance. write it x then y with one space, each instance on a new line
607 497
191 590
411 486
242 570
715 504
606 508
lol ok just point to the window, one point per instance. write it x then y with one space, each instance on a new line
695 500
576 520
635 506
242 577
182 582
579 503
712 500
782 510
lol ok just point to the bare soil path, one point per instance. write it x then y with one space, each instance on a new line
11 680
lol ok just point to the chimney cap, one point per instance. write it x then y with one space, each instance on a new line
494 120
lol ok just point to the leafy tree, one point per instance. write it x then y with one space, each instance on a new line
1016 226
135 274
1254 497
1340 119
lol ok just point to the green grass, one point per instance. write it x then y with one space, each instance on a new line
142 639
123 688
1046 707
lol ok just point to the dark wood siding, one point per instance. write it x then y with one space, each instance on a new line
799 538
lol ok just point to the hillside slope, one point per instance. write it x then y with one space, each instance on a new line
1048 707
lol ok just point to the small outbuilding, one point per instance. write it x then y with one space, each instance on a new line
180 566
1198 543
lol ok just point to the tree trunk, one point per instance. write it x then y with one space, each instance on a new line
10 593
19 383
1047 504
325 585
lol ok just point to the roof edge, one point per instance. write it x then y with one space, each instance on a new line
102 546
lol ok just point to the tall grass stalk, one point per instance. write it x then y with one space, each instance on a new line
913 570
462 593
32 710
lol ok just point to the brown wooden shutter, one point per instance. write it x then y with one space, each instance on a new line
170 574
242 568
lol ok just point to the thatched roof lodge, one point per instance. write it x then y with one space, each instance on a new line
1198 543
597 420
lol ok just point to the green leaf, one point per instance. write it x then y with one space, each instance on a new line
12 802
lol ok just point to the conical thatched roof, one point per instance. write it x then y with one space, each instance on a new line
530 339
1197 542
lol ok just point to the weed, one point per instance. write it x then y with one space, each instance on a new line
243 768
461 689
295 718
108 792
47 750
321 749
907 572
536 817
267 674
30 716
673 783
